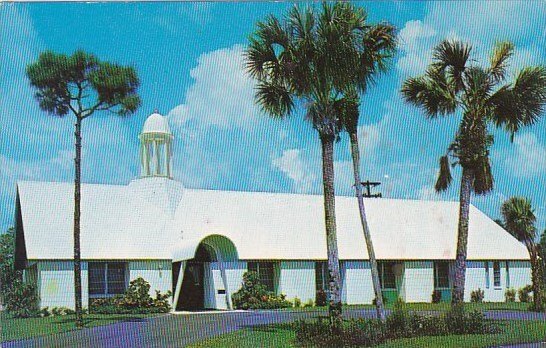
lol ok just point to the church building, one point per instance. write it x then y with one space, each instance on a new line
198 243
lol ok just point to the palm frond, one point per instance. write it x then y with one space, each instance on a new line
452 56
483 177
521 104
519 218
275 99
378 46
499 59
432 92
444 176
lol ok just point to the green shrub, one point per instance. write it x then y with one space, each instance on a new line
135 300
399 324
254 295
510 295
308 304
460 322
21 300
321 298
61 311
476 296
297 302
524 294
436 296
355 332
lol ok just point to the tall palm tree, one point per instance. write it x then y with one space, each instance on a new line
374 46
519 220
301 61
452 83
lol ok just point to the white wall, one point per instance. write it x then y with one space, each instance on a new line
214 284
55 280
357 284
156 272
418 281
519 273
297 279
56 284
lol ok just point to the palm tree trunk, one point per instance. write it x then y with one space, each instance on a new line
462 237
334 275
536 276
77 197
355 152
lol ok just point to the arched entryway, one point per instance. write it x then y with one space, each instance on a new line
194 265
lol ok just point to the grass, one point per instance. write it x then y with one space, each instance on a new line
21 328
281 336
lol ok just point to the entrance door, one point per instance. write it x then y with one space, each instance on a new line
192 294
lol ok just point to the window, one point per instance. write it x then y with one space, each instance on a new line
265 272
496 274
507 275
106 278
321 276
441 275
386 275
486 265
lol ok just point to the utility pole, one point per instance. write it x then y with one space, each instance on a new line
368 185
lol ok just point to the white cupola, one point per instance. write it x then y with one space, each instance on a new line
156 147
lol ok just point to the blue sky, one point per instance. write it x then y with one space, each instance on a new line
188 56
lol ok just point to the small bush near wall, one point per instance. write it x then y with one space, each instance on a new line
476 296
510 295
400 324
524 294
436 296
21 300
254 295
297 302
135 300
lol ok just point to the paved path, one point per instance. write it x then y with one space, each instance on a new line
179 330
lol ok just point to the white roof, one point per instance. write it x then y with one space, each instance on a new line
129 222
156 123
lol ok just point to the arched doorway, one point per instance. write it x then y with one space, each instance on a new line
193 284
194 289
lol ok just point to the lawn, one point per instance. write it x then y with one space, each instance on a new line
280 336
14 329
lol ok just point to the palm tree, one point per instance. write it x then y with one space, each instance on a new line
375 45
453 83
519 220
302 61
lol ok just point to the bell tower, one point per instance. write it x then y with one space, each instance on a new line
156 147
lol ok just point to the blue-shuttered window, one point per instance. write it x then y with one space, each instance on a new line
107 278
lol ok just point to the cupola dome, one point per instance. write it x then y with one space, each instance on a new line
156 147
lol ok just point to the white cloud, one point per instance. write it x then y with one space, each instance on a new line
414 42
222 94
481 23
298 169
526 158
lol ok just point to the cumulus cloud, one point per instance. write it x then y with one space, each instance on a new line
222 94
415 40
298 169
526 158
481 23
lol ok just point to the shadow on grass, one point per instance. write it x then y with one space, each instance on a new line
88 320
